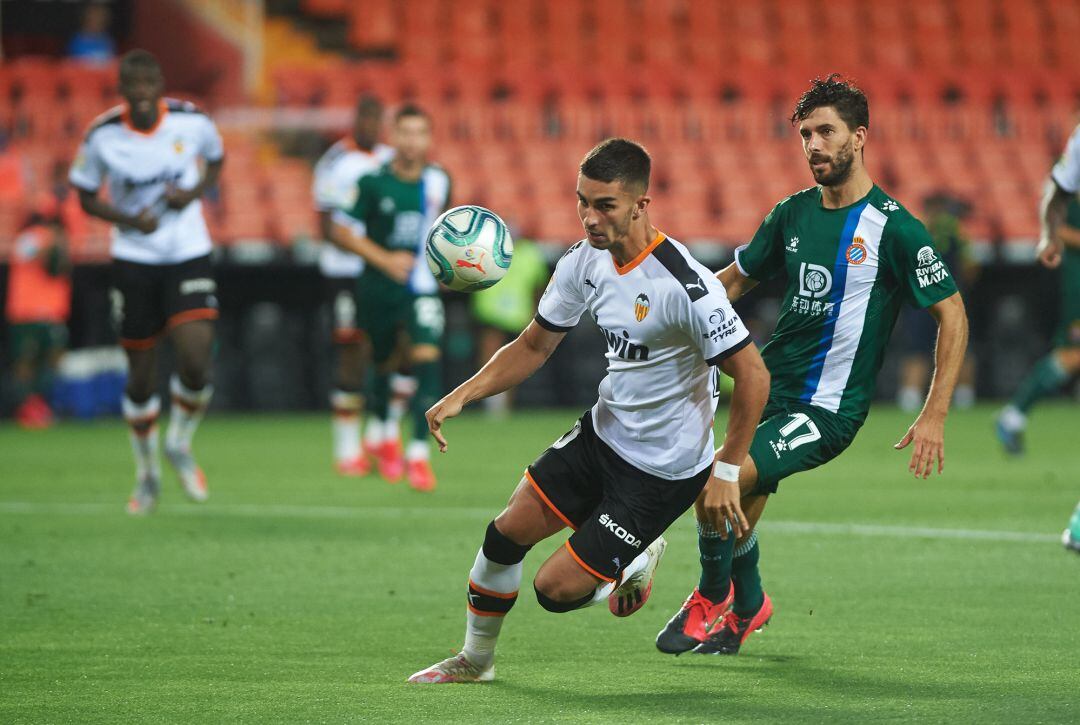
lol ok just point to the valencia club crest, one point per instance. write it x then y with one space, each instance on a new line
641 306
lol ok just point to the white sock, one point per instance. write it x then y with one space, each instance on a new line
498 405
604 589
186 412
391 428
417 451
373 433
1012 418
346 425
143 432
402 388
495 584
964 396
909 399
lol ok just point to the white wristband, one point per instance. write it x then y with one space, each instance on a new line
726 471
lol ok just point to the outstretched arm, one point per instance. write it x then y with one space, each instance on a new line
735 282
512 364
1052 218
721 493
928 430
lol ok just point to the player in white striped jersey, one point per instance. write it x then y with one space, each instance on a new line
643 454
157 157
334 189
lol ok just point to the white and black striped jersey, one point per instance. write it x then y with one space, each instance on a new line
666 320
334 188
140 167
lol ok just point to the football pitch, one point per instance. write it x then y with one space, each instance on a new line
298 596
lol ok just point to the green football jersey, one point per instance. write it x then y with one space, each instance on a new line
848 271
397 214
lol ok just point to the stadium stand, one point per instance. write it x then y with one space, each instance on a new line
963 100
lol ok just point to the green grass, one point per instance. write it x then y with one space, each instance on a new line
295 596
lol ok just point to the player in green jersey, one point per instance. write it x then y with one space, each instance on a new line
1059 246
1062 363
397 296
850 256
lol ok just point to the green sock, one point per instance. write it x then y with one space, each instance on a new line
715 582
749 596
1045 378
428 386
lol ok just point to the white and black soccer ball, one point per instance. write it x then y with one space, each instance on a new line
469 248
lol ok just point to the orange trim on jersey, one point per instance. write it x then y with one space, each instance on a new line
585 566
346 413
146 343
543 496
488 592
348 336
641 257
200 313
163 111
482 613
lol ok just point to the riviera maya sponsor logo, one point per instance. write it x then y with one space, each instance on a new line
641 307
930 269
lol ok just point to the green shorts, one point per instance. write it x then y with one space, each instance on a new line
37 339
794 437
386 314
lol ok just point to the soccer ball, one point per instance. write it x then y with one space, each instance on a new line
469 248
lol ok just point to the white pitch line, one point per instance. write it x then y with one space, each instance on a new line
475 512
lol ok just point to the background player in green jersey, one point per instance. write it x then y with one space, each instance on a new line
850 256
397 296
1059 246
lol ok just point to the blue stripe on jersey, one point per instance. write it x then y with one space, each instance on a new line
836 296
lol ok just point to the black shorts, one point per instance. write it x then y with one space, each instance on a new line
340 297
151 298
615 508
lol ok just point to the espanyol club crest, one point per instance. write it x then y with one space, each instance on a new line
856 253
641 306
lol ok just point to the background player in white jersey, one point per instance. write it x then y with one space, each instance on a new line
851 256
334 189
157 156
1059 246
641 456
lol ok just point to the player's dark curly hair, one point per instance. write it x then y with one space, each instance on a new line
839 93
618 159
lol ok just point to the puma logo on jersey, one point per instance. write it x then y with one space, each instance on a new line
622 347
698 284
589 283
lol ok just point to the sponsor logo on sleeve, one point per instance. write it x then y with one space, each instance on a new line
721 325
929 270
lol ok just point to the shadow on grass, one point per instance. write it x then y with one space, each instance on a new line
771 687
